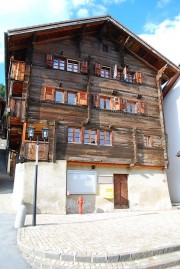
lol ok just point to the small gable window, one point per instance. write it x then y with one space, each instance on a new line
105 72
73 66
59 63
148 141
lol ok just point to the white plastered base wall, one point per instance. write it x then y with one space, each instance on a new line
51 187
147 190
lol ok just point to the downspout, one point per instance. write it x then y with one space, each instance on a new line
88 92
162 123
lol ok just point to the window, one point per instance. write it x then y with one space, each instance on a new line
105 48
105 72
129 77
59 63
131 106
73 66
74 135
71 98
90 136
105 138
148 142
59 96
104 103
120 75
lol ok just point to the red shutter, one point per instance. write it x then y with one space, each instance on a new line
49 93
21 71
122 104
96 100
82 98
17 70
138 77
49 60
98 69
14 66
141 107
84 67
115 103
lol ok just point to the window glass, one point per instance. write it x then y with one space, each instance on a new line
73 66
70 135
74 135
59 63
90 136
104 103
105 138
72 98
59 96
105 72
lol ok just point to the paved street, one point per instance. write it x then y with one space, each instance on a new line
98 238
102 240
10 256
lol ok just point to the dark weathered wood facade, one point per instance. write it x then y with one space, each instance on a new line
87 79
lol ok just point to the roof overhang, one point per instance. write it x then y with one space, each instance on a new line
106 26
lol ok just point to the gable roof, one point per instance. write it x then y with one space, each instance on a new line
103 26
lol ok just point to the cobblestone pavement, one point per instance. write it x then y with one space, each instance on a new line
101 237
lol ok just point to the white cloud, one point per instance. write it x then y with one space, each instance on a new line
163 3
83 13
164 37
113 1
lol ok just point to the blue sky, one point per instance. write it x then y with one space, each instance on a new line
156 21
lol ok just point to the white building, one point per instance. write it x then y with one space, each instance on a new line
171 94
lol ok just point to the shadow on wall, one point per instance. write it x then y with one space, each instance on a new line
30 208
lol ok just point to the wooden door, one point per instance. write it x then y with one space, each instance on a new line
120 191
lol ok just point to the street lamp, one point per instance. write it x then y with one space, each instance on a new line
44 132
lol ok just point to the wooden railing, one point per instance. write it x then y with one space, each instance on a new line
17 108
28 150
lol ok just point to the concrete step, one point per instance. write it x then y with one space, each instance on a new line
169 260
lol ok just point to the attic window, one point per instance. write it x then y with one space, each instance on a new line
73 66
105 48
148 142
59 63
105 72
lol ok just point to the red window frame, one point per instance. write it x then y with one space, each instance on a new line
90 136
61 63
73 66
105 138
105 72
74 135
104 102
148 142
131 106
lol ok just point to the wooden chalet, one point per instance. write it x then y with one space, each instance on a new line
97 87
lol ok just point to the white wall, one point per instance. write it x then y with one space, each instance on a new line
51 187
172 124
147 190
